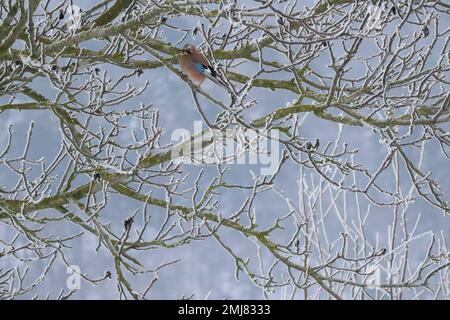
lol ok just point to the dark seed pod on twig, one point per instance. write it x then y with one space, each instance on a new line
393 11
96 176
128 223
425 31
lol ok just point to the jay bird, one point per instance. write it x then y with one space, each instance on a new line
196 66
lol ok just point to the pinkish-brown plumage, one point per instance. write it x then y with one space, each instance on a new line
196 66
192 62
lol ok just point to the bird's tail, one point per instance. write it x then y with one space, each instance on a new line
217 81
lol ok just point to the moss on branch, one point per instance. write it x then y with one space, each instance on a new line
112 13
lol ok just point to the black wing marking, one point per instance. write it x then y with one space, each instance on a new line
213 72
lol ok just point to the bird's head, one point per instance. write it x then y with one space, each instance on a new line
189 48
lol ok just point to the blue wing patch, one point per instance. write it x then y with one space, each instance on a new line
200 68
